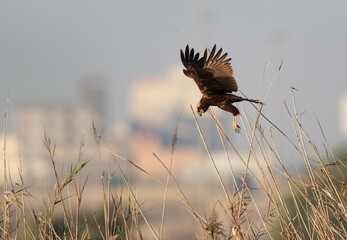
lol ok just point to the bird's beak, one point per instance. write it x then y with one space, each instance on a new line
201 111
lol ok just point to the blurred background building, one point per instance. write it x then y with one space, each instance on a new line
67 124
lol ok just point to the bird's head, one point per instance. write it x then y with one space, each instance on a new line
201 108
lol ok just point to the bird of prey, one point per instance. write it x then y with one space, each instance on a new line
214 77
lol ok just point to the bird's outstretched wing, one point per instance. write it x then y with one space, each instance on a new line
212 74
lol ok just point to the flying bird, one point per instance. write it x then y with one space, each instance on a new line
214 76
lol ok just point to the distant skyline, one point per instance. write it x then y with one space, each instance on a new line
46 48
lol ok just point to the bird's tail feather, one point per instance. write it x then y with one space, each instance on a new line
252 100
239 99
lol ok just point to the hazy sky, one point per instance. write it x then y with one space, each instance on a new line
46 47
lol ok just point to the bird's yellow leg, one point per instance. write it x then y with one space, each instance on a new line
235 126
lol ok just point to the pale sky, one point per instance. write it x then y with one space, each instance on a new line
47 46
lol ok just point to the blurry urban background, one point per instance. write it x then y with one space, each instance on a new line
66 63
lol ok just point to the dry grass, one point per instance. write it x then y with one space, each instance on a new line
310 204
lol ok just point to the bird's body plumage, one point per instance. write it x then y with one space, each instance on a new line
214 76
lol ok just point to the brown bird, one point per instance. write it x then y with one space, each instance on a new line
214 77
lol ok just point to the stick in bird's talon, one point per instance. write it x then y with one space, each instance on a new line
235 126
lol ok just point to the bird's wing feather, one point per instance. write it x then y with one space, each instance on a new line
211 73
194 66
220 72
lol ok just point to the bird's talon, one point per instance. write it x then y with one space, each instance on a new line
237 129
235 126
